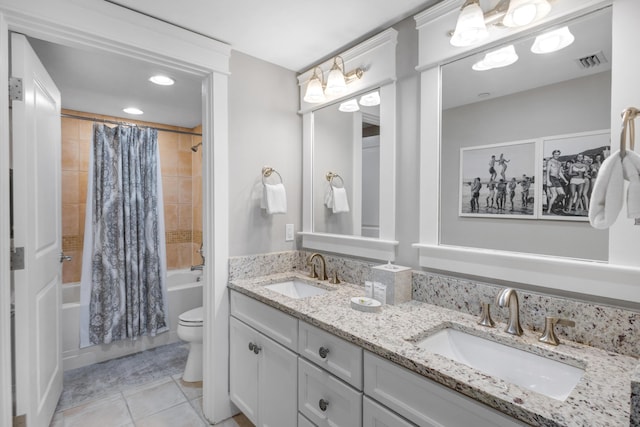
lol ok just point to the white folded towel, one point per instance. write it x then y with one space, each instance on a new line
328 197
340 201
274 198
607 193
631 172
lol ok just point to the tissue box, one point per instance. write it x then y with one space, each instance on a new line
397 279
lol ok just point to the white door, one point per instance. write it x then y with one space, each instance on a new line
37 228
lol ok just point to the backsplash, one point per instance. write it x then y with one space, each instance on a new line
608 328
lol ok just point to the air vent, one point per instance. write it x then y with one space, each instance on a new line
590 61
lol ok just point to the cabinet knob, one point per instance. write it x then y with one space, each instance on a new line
251 346
323 404
256 349
323 352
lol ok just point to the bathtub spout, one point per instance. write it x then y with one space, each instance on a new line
197 267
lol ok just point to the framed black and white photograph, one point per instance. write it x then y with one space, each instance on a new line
569 168
498 180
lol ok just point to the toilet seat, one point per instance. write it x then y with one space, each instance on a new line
191 318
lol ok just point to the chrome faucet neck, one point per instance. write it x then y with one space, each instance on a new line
509 298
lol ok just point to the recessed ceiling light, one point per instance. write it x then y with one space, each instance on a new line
162 80
133 110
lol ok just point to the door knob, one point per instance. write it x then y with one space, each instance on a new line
64 257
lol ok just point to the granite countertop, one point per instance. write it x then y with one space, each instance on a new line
601 398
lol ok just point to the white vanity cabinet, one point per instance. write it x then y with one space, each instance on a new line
423 401
376 415
262 370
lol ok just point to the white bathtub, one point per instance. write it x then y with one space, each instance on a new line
184 292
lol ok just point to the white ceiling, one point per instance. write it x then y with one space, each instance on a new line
293 34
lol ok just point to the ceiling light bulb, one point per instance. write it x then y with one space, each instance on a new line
470 28
497 59
133 110
370 99
314 93
524 12
162 80
336 84
553 41
349 106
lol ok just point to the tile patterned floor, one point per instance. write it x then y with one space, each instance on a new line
141 390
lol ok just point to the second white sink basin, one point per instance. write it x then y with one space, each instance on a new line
296 289
546 376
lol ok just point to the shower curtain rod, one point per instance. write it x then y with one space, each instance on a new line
113 122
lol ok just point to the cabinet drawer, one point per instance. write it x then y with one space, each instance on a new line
278 326
375 415
423 401
343 359
303 421
316 388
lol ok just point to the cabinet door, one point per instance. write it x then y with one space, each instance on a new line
326 400
375 415
278 382
243 369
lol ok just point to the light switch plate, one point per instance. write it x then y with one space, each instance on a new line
288 233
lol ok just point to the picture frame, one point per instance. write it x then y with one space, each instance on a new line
568 167
514 197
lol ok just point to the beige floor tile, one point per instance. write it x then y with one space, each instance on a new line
191 390
155 397
182 415
111 411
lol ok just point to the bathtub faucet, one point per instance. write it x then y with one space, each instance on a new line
199 267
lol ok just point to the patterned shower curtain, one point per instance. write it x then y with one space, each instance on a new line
123 293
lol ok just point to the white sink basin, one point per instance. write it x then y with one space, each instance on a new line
296 289
546 376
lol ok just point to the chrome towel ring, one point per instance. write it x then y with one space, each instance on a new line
330 176
266 173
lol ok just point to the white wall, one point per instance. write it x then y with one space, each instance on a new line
264 130
572 106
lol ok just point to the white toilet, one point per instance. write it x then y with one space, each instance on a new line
190 330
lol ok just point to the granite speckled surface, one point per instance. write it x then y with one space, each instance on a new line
601 398
635 398
608 328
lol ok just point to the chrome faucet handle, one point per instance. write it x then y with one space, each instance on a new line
485 316
334 278
549 335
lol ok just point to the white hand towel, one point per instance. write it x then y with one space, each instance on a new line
340 202
631 172
328 197
274 198
607 194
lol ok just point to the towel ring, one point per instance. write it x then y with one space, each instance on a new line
628 116
266 173
331 176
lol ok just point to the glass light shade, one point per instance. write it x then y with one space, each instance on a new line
524 12
470 28
349 106
336 84
133 110
370 99
314 93
162 80
553 41
498 58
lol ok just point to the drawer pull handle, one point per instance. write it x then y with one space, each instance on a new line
323 352
323 404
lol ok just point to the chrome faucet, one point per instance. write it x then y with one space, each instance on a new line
313 274
200 266
508 298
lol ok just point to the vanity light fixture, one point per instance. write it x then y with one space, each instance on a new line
370 99
133 110
471 27
498 58
336 84
553 41
349 106
161 80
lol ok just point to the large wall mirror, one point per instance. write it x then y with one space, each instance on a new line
539 98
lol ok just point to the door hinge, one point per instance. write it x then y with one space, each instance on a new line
20 421
17 259
15 89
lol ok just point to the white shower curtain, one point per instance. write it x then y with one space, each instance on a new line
123 285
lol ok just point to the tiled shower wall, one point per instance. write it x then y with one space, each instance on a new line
182 191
